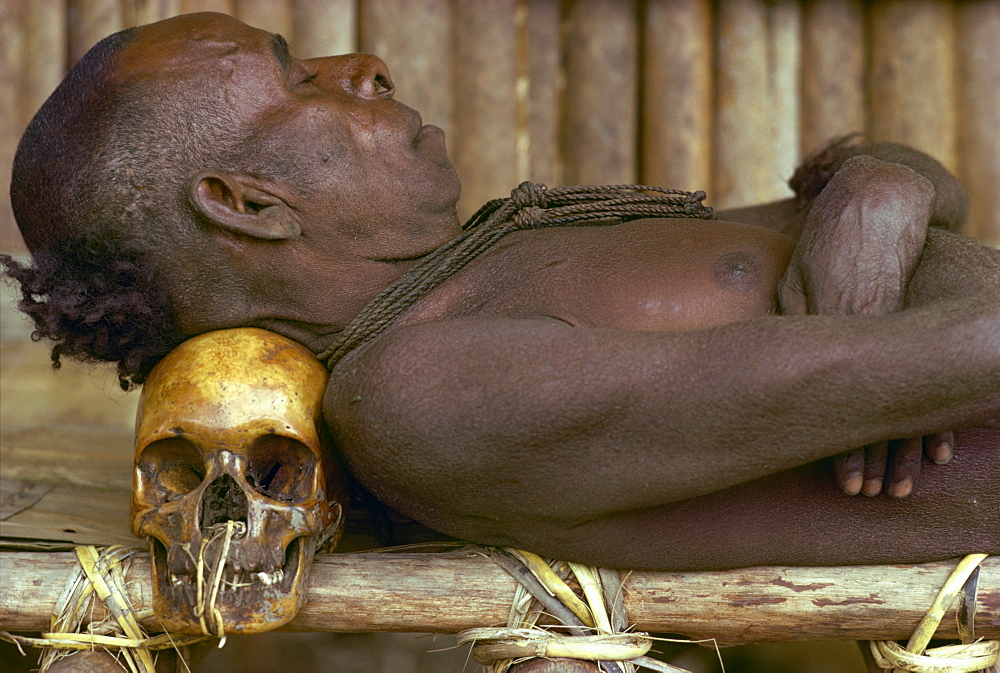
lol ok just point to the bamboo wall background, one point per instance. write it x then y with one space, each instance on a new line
725 96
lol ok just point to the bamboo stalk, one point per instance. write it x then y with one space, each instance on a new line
784 69
601 92
38 41
324 27
833 71
45 48
12 72
978 26
222 6
446 593
912 79
414 39
141 12
484 129
271 15
753 112
89 22
539 154
677 94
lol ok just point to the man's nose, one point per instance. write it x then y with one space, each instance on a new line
362 75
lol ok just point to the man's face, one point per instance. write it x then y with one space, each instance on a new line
367 179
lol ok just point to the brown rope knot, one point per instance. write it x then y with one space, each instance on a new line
529 194
528 218
693 205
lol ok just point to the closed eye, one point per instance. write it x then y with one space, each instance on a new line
309 78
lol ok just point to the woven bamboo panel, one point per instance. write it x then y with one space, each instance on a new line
722 96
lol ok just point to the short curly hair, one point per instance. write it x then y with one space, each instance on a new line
99 301
89 287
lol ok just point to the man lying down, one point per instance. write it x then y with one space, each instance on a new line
659 393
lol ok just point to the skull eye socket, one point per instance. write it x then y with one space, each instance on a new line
281 468
172 466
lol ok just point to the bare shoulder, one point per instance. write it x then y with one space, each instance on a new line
406 410
410 366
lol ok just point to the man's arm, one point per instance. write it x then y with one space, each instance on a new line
506 419
949 206
861 239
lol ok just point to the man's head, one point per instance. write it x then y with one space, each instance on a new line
244 185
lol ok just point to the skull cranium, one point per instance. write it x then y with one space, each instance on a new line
234 484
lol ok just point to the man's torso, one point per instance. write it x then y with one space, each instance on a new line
667 275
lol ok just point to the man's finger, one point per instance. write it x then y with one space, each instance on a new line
875 462
848 471
939 446
906 455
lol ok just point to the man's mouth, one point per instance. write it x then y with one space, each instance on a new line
427 132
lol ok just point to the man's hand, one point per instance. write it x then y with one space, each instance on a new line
863 237
864 470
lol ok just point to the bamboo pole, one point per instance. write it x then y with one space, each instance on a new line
978 30
756 122
141 12
414 39
677 94
222 6
270 15
601 91
40 37
784 69
12 72
833 71
541 83
324 27
484 128
445 593
45 48
912 80
89 22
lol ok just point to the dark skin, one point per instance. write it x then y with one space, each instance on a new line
654 394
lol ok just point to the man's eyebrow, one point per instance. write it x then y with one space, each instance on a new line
279 46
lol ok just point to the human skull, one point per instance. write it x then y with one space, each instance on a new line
234 484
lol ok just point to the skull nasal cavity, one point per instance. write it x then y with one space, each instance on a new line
223 501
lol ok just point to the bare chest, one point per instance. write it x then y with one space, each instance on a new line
646 275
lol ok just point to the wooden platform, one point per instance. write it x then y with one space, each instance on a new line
63 487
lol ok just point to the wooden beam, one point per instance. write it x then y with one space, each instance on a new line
324 27
978 25
756 108
449 592
541 84
833 71
677 95
912 77
484 117
90 21
601 98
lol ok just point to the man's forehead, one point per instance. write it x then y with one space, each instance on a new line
190 40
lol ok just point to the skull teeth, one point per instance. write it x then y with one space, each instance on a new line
268 579
236 579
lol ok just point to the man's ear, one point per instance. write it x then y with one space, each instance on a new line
228 202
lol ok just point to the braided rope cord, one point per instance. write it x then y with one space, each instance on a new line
530 206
